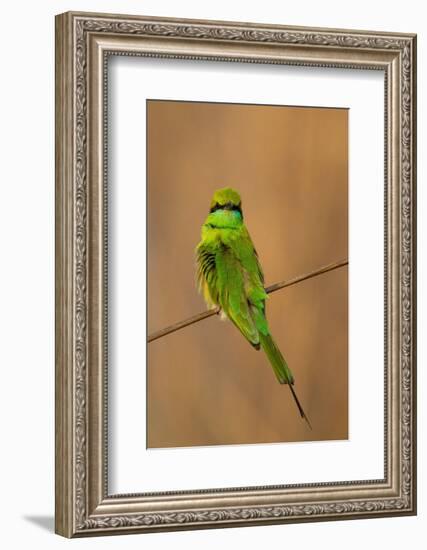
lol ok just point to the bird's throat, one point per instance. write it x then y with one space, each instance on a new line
225 218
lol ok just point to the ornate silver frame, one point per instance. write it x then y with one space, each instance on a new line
83 42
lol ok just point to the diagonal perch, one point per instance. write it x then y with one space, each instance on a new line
277 286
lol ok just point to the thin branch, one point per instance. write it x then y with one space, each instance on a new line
269 290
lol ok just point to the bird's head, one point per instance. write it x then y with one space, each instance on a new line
226 199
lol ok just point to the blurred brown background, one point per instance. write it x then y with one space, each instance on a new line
206 384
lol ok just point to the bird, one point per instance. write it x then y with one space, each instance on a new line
230 277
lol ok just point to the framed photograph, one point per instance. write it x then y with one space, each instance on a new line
235 274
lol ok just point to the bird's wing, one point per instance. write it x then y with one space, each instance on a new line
206 274
231 280
249 256
245 251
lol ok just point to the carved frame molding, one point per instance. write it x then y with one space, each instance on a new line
83 43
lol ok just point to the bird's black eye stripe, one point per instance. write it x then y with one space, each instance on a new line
226 206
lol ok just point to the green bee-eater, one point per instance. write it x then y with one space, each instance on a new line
230 276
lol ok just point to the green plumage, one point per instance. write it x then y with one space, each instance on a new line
230 276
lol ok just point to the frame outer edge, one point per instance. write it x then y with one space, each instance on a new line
233 24
413 216
64 237
415 266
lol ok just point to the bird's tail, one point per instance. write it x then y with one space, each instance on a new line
281 369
